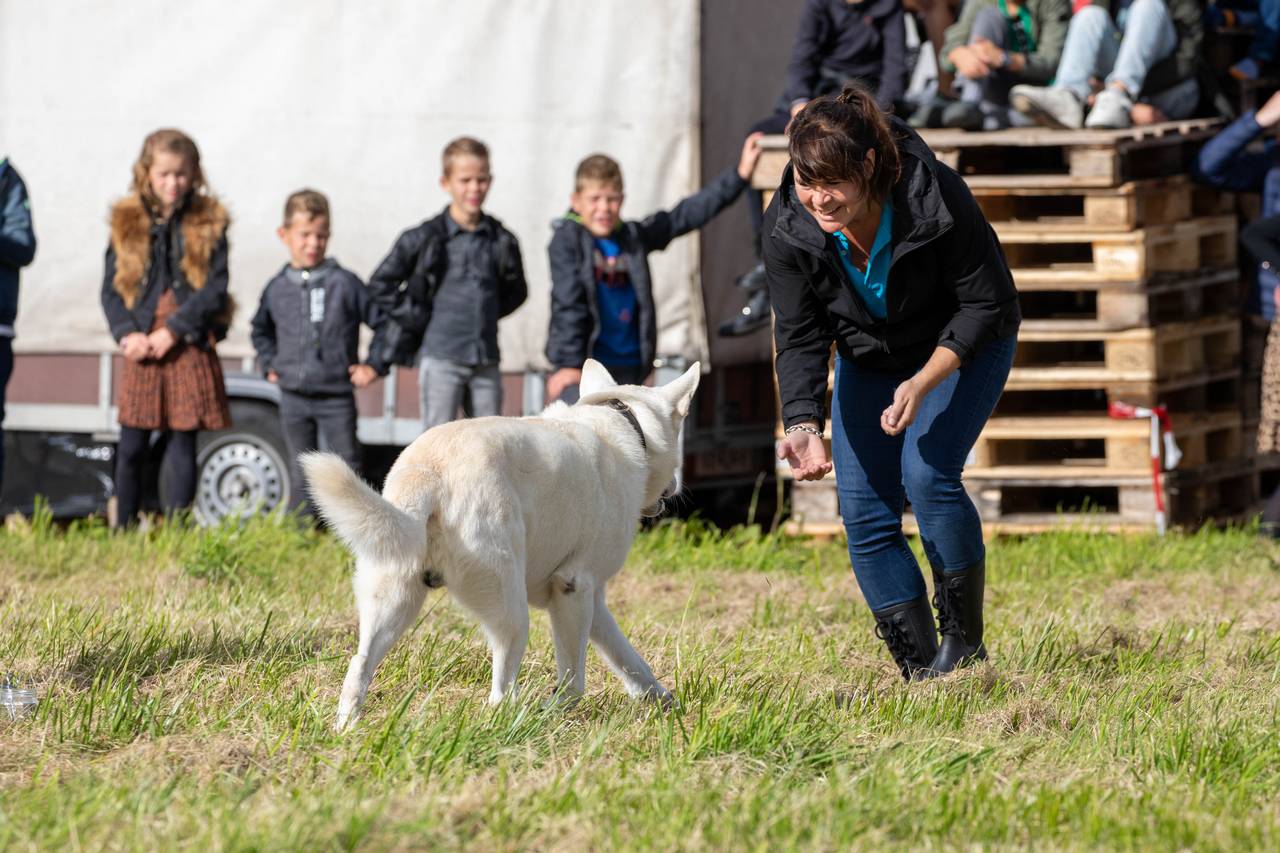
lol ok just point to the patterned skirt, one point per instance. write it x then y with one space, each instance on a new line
182 391
1269 420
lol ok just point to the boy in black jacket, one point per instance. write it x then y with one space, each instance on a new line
307 332
444 286
601 291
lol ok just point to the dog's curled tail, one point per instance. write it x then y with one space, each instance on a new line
371 525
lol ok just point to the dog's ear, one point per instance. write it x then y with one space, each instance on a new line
680 391
595 377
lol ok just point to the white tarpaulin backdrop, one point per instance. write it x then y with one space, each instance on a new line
353 99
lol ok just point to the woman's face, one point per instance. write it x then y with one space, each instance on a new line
170 177
834 206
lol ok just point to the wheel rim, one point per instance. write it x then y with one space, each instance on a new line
239 476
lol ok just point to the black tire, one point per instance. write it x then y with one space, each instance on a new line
243 470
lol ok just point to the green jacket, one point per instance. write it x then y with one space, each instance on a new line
1049 20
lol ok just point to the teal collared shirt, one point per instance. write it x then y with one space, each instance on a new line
870 285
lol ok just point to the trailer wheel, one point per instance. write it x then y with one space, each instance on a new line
242 471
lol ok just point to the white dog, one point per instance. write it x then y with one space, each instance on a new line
511 512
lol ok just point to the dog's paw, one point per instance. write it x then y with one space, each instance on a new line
662 697
561 700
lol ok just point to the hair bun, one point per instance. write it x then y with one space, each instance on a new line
851 93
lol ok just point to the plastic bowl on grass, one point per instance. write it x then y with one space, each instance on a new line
17 703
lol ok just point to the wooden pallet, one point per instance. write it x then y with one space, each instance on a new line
1085 253
1054 305
1087 446
1219 390
1040 157
1055 359
1160 201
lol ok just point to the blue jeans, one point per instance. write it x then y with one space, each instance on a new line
875 472
1096 47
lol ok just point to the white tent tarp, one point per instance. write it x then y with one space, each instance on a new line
353 99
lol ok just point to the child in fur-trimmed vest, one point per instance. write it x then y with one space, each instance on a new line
164 293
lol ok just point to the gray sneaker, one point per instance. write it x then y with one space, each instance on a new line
1048 106
1110 110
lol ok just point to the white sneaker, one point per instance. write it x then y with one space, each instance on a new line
1110 110
1048 106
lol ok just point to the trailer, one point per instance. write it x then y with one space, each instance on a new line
542 83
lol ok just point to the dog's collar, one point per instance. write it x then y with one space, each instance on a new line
625 410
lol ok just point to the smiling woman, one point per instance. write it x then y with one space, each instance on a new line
873 245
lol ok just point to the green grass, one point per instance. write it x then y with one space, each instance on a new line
188 681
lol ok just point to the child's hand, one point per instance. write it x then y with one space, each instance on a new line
562 379
1146 114
750 156
135 346
361 375
968 63
272 376
161 341
1269 113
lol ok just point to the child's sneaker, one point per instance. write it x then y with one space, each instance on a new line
1110 111
1048 106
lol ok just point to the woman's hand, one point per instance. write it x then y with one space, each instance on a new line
362 375
161 341
902 411
135 346
806 454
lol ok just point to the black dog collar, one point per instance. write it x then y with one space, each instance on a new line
625 410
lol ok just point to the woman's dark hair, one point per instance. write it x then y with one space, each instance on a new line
830 139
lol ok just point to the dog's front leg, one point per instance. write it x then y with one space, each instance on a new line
571 606
622 658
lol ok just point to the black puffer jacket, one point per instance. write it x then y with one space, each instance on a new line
405 284
575 321
949 284
307 328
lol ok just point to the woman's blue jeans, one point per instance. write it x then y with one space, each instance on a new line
876 472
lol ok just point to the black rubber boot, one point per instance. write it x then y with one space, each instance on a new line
753 317
958 597
909 632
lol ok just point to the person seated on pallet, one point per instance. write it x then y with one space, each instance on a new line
1230 162
1125 62
995 45
1261 16
837 41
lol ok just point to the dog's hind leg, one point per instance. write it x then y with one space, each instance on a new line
571 607
506 624
621 657
387 604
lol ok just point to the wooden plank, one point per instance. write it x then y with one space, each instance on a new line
1069 251
1130 205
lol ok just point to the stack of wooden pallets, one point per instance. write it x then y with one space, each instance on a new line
1130 289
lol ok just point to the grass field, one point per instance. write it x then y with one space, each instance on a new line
189 678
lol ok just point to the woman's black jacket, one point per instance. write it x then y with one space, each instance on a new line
949 284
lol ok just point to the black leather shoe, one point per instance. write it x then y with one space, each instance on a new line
909 632
753 317
958 597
